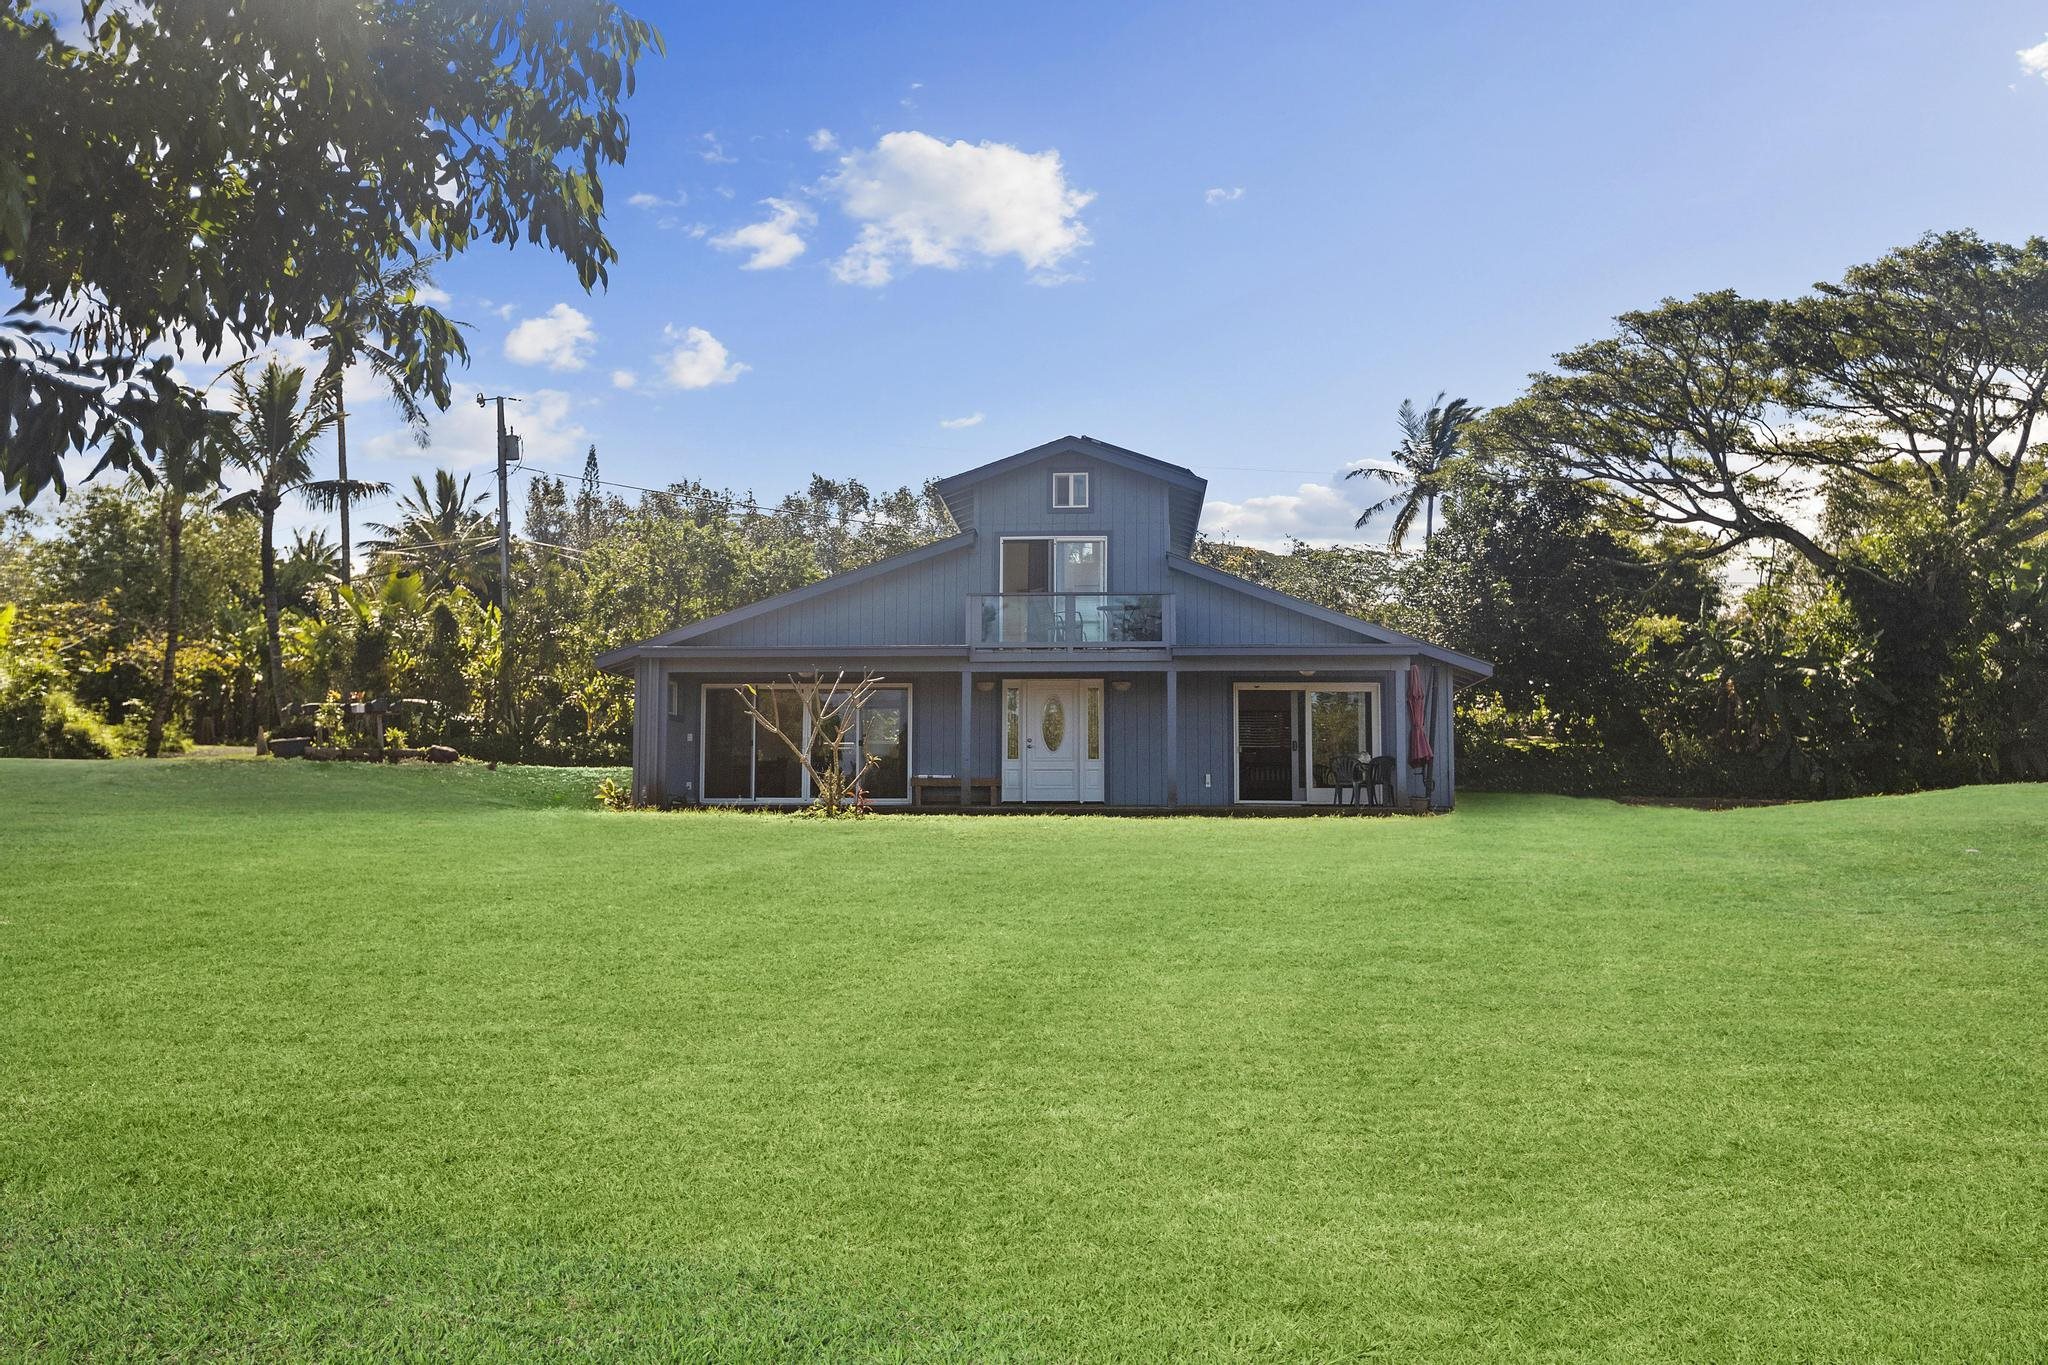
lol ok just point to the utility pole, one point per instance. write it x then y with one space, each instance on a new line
504 565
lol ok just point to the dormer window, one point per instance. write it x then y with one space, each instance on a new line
1069 491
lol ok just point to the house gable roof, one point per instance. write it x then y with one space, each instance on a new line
1185 489
1084 445
832 583
1367 630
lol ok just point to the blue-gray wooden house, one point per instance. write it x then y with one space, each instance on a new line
1063 649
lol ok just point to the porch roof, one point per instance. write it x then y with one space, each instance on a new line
1315 658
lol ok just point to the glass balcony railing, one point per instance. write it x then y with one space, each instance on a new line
1074 619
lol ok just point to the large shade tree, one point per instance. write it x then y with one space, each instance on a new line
205 175
1886 429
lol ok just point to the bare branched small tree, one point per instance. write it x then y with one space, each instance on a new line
831 715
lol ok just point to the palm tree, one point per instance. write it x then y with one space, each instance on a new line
311 561
443 534
187 469
272 437
1422 465
359 330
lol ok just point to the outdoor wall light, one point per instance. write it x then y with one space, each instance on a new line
984 685
1122 684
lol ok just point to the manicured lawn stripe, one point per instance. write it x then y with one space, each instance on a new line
315 1060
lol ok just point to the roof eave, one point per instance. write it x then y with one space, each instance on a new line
1371 630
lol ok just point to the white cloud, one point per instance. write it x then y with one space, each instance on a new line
774 240
713 151
560 339
644 200
2034 60
823 141
503 310
956 423
1313 512
625 379
466 436
1220 195
433 295
699 360
923 202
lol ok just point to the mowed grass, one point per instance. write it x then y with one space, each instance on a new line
315 1060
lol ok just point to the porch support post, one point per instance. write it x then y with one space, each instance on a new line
1172 736
1397 709
650 731
966 738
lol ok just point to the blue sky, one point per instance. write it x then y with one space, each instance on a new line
1232 236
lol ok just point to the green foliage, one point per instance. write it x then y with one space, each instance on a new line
132 734
1421 468
444 535
228 174
67 729
1908 401
614 795
1355 579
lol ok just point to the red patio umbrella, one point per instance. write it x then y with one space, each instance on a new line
1419 751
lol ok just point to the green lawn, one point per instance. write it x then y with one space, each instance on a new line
315 1060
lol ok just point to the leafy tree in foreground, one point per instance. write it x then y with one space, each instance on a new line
209 174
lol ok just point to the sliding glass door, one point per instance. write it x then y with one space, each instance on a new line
1038 573
1340 723
744 761
1289 736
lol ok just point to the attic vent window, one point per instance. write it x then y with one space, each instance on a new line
1070 490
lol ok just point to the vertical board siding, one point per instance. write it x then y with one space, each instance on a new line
920 604
649 734
924 603
1205 739
1134 741
1211 614
1445 738
1127 507
1133 731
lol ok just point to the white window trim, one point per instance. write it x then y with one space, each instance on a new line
1087 490
1379 729
704 691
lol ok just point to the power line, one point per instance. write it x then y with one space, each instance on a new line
728 500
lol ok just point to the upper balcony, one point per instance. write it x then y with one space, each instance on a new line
1070 620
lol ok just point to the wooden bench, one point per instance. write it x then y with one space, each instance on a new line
945 791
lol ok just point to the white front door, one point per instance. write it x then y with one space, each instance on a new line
1052 725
